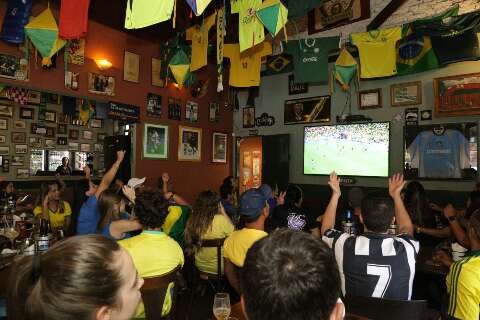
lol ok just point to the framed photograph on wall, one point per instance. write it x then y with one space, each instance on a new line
96 123
62 129
3 124
296 88
219 147
35 142
131 67
101 84
154 105
189 144
19 124
73 146
406 94
334 13
87 135
85 147
3 138
62 141
213 112
157 80
191 111
21 148
155 141
248 117
4 150
370 99
50 116
98 147
457 95
101 136
18 161
50 132
27 113
19 137
50 144
308 110
73 134
6 111
23 173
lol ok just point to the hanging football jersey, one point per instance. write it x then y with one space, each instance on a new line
144 13
199 37
250 29
310 58
16 17
73 19
377 52
245 66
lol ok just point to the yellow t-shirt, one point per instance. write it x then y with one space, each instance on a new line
463 287
206 258
154 253
245 67
377 52
199 37
144 13
237 244
174 212
250 29
57 218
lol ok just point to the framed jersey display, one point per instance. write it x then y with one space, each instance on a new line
457 95
441 151
334 13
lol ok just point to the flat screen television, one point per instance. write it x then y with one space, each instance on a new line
358 149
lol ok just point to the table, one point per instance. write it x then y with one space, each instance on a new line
425 263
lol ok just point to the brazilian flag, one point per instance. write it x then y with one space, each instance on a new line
415 54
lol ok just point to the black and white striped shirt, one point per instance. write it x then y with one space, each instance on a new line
375 265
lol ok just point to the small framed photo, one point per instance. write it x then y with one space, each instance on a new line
62 129
157 80
50 144
63 118
38 129
98 147
101 84
35 142
50 132
62 141
27 113
73 146
19 137
73 134
219 149
19 124
3 124
18 161
85 147
21 148
22 173
3 138
87 135
189 144
370 99
214 112
406 94
155 141
4 150
248 117
101 136
6 111
191 111
96 123
154 105
50 116
131 67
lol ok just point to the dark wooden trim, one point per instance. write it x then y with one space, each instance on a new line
385 14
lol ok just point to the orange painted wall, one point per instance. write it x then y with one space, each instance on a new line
104 42
250 163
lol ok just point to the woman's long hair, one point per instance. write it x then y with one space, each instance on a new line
44 190
204 210
107 207
416 203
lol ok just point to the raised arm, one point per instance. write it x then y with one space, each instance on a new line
460 235
165 180
328 221
395 186
61 183
111 173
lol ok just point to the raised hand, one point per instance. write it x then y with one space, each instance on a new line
449 211
129 193
334 183
165 177
281 198
395 185
120 155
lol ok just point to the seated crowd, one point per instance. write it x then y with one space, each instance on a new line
278 259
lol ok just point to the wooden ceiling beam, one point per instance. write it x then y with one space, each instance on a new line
383 15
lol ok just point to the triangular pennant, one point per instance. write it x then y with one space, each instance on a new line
273 15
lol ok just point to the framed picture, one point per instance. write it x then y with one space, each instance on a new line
87 135
308 110
5 150
154 105
5 164
98 147
13 67
85 147
131 67
457 95
3 138
62 141
174 109
17 161
219 149
370 99
71 80
19 137
26 113
296 88
22 173
426 115
248 117
73 134
189 144
157 80
34 97
213 112
62 129
73 146
19 124
50 144
6 111
50 132
406 94
50 116
155 141
336 13
101 136
3 124
191 111
21 148
36 128
101 84
63 118
35 142
96 123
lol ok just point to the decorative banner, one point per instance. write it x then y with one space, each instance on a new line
125 112
296 88
220 35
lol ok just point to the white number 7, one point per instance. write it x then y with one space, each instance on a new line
385 275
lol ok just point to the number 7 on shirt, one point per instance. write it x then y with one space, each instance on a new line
384 273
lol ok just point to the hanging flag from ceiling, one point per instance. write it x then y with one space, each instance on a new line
16 17
74 19
273 15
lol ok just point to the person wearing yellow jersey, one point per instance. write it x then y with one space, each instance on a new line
208 221
250 29
50 206
378 57
253 211
153 252
245 66
199 37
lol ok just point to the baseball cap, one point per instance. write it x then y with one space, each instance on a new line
266 190
136 182
252 203
355 196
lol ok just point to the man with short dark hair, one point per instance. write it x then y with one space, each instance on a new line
374 264
291 275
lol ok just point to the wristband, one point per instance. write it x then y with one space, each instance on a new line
452 218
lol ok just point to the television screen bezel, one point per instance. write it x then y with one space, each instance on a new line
345 124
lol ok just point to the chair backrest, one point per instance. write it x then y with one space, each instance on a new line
154 291
216 243
379 309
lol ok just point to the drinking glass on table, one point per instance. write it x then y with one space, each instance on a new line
221 306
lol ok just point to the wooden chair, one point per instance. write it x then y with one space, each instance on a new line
385 309
154 291
214 243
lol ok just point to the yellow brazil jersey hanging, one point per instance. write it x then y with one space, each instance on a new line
199 37
250 29
245 66
144 13
377 52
